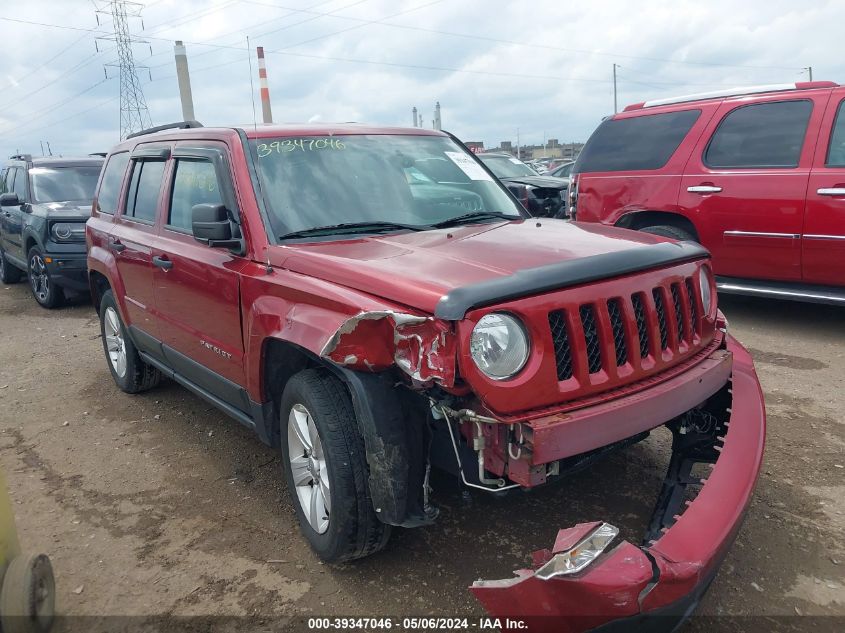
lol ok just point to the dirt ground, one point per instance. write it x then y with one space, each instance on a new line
159 504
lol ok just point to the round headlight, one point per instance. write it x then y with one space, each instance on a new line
499 345
706 291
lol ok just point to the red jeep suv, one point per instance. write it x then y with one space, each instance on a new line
757 175
373 302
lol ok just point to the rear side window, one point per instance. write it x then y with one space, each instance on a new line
110 185
836 150
144 187
195 183
760 135
636 143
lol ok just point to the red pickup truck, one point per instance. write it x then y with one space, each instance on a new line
373 302
757 175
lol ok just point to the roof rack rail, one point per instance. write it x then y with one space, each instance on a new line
733 92
100 154
26 157
179 125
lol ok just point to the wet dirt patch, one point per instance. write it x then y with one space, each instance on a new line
786 360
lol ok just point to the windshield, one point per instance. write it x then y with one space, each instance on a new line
320 181
505 167
62 184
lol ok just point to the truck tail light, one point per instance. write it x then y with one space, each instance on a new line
573 196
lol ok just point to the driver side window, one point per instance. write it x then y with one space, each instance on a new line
20 185
194 182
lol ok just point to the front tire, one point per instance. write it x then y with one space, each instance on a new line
129 371
9 274
326 470
46 293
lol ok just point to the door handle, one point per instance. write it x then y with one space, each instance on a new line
117 247
162 262
831 191
704 189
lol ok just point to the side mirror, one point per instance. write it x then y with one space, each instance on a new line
210 223
9 200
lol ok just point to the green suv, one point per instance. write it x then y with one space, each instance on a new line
44 203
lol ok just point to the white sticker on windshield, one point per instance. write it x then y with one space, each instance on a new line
515 161
467 165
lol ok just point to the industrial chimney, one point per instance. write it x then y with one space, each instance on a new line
265 90
184 79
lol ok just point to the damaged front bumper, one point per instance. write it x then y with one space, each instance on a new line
584 582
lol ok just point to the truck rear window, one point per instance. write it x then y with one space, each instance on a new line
635 143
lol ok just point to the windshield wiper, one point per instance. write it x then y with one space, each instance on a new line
351 228
475 215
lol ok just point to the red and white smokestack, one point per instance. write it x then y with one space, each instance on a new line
265 90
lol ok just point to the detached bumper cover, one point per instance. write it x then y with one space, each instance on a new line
656 585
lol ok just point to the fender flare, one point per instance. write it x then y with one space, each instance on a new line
102 261
396 443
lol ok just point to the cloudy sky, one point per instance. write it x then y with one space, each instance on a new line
542 67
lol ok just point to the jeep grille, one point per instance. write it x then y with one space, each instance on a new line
630 328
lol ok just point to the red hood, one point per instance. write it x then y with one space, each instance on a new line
417 269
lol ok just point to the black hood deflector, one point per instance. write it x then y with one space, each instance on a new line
530 281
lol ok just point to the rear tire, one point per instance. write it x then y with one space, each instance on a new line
28 595
129 371
9 273
667 230
46 293
325 466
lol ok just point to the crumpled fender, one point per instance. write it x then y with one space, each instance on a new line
421 346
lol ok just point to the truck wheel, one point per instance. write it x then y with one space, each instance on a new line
28 595
326 469
9 274
667 230
130 373
46 293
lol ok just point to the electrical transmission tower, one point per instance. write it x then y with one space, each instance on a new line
134 115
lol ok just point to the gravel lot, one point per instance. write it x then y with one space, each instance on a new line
158 504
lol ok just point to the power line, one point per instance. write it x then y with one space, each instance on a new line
365 23
538 46
325 35
40 113
246 29
48 62
25 130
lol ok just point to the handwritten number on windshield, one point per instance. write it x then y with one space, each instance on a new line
294 144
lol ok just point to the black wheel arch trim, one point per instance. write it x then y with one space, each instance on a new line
529 281
396 444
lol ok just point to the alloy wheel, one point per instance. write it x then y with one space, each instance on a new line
309 468
39 278
114 341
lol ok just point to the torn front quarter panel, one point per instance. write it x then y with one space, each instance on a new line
659 584
422 347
